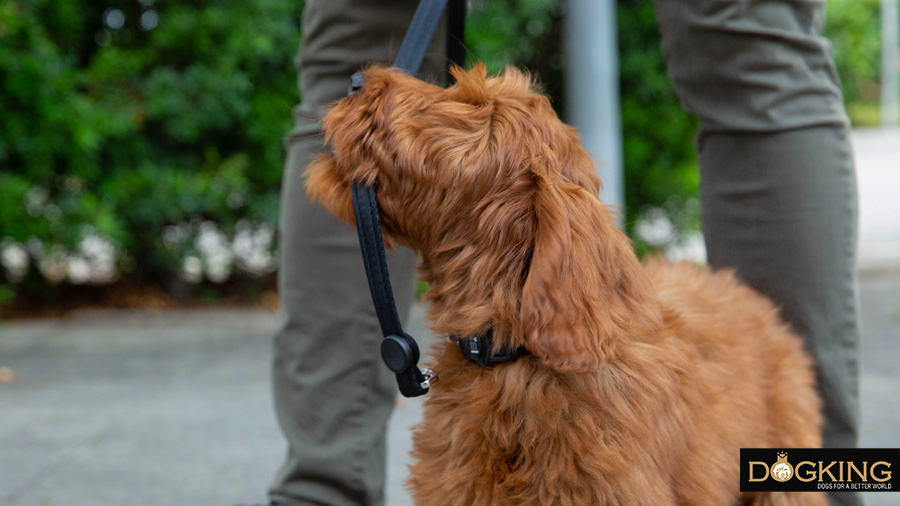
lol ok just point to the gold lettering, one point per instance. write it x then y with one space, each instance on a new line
764 466
811 472
826 469
885 475
852 467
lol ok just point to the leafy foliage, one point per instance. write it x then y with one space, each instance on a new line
660 160
147 133
121 118
854 29
524 33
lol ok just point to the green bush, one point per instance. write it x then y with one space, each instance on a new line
129 128
141 139
659 156
854 29
525 33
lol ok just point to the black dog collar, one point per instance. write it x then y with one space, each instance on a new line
477 349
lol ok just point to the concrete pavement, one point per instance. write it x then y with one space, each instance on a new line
173 408
877 153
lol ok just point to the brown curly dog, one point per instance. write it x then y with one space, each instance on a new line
642 382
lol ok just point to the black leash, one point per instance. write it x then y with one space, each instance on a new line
399 350
419 34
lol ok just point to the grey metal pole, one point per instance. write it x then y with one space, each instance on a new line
890 64
593 89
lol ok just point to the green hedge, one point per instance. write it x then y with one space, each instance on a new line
129 142
854 29
141 140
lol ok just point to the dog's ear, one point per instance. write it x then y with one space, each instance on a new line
584 289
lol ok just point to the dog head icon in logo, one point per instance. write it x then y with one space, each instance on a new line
782 470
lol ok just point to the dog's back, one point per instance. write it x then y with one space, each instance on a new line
660 424
763 384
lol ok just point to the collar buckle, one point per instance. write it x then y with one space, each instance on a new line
477 349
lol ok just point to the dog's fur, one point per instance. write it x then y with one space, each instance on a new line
643 382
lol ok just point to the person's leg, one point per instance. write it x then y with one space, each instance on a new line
778 187
333 396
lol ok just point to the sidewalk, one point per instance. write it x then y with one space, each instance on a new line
877 153
173 408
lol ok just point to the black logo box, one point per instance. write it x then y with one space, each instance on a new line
841 477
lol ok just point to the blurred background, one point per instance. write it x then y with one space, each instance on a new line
140 161
140 141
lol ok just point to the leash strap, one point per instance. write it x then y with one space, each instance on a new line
419 34
365 208
398 349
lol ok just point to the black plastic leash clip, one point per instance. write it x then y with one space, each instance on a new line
401 354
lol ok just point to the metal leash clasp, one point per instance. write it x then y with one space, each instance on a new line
401 354
430 377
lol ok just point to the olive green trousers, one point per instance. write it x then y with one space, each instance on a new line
778 203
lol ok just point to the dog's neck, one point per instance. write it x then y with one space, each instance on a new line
473 289
476 285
